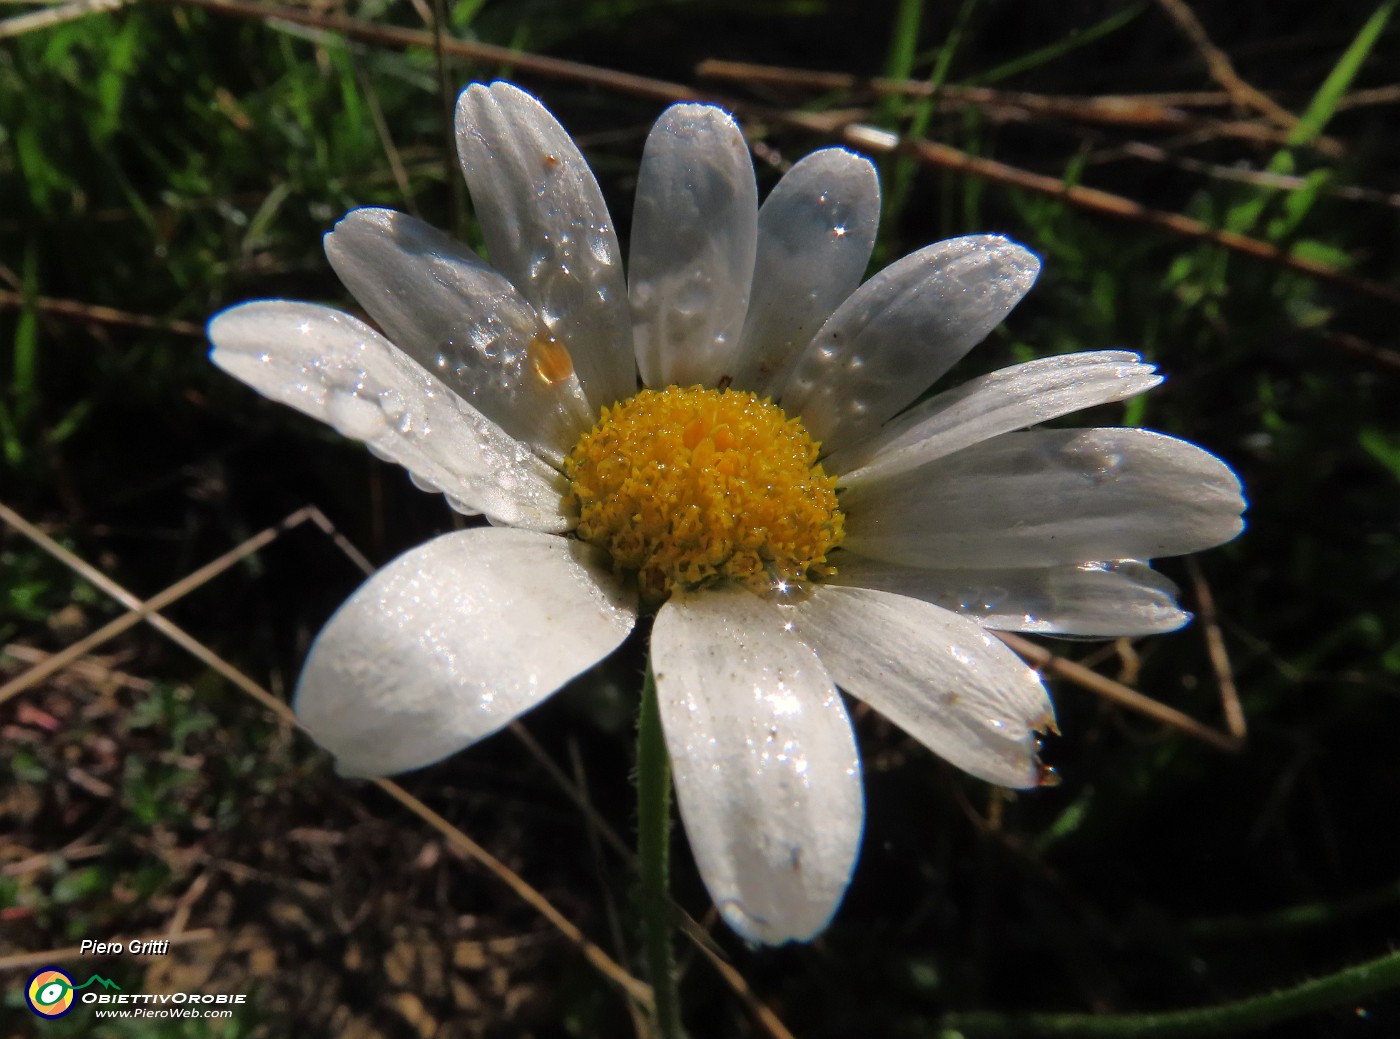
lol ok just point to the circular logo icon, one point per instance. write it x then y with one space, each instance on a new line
50 993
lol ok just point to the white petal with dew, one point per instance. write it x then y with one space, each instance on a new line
694 227
453 640
330 366
548 230
1048 496
766 768
941 678
901 330
815 234
1002 402
457 317
1099 599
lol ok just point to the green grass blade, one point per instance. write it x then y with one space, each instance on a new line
1324 103
1060 48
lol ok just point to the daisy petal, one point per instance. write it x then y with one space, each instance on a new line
766 769
462 321
547 229
1104 599
901 330
334 368
453 640
1048 496
939 677
1006 400
815 234
694 227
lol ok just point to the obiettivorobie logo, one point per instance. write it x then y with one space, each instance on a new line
50 991
53 993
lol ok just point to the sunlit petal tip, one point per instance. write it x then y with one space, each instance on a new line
772 931
333 367
766 769
1014 259
547 230
453 640
942 678
903 329
694 239
816 231
686 117
1020 396
1047 497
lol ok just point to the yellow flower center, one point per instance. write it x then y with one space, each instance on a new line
692 487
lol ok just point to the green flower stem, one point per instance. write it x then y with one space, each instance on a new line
654 853
1333 990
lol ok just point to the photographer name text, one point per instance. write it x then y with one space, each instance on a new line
135 947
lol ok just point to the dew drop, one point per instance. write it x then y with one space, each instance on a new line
787 592
598 246
396 413
550 358
354 416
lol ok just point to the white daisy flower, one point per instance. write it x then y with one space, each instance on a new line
794 519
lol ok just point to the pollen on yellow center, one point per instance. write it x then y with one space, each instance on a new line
693 487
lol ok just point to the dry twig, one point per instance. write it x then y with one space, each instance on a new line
1222 69
1116 692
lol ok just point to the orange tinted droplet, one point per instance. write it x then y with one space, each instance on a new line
550 358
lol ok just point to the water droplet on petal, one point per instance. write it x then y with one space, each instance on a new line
550 359
599 246
354 416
